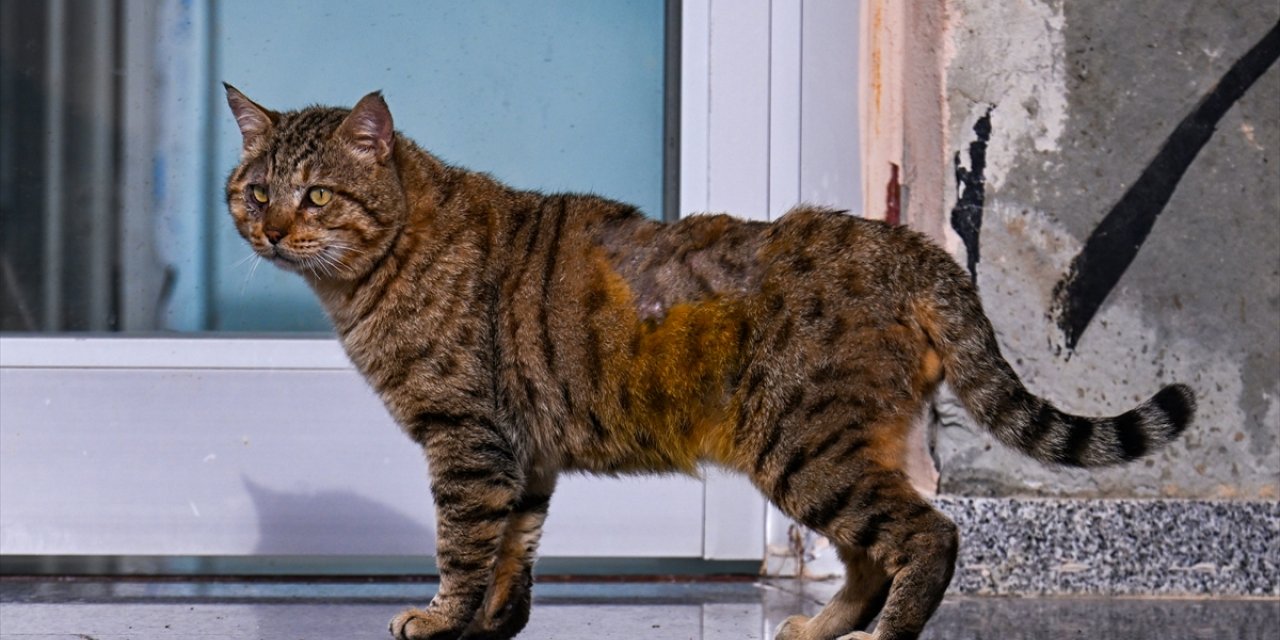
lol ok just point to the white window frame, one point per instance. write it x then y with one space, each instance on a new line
760 131
770 118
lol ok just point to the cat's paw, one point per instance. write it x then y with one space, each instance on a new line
791 628
419 624
857 635
503 624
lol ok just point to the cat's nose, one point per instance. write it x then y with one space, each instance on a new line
273 235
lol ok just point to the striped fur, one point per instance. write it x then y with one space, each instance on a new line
515 335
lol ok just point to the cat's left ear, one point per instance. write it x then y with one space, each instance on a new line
368 130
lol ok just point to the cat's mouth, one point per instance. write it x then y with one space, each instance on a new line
320 263
277 255
281 258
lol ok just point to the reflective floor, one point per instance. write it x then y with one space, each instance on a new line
48 609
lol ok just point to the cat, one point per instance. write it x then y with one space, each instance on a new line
516 336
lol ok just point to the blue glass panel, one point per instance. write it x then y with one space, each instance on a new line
552 95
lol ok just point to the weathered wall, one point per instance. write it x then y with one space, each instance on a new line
1056 109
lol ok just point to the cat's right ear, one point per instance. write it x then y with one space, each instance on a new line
255 121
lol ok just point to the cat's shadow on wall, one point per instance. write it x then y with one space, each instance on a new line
334 523
310 527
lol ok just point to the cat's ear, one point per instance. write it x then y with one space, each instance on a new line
368 130
254 120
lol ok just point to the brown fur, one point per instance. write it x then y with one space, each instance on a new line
516 335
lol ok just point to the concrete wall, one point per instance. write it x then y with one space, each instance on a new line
1054 111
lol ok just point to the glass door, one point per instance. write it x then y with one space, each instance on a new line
162 395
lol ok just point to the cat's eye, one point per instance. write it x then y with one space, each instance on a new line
319 196
259 193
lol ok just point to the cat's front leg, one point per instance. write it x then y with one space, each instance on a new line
476 483
506 606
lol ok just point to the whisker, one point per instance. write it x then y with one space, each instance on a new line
249 276
326 263
348 248
315 265
351 229
242 261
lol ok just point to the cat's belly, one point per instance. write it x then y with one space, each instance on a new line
665 402
636 448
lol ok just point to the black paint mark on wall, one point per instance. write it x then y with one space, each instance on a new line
966 217
1113 245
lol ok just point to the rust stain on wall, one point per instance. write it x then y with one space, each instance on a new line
877 64
893 197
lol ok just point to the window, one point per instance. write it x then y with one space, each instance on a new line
116 137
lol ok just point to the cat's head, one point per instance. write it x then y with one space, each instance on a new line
316 191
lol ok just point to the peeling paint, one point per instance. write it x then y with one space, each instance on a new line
966 217
1018 46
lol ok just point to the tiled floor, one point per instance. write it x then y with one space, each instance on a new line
48 609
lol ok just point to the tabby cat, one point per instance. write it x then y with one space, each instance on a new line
516 335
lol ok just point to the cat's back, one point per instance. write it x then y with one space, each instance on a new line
815 257
833 237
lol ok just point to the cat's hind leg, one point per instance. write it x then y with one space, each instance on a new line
913 543
509 598
853 608
917 545
849 486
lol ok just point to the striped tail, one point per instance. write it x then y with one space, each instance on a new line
996 398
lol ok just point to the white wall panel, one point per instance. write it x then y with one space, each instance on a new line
224 455
738 122
830 169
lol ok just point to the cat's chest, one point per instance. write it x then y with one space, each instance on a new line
422 345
